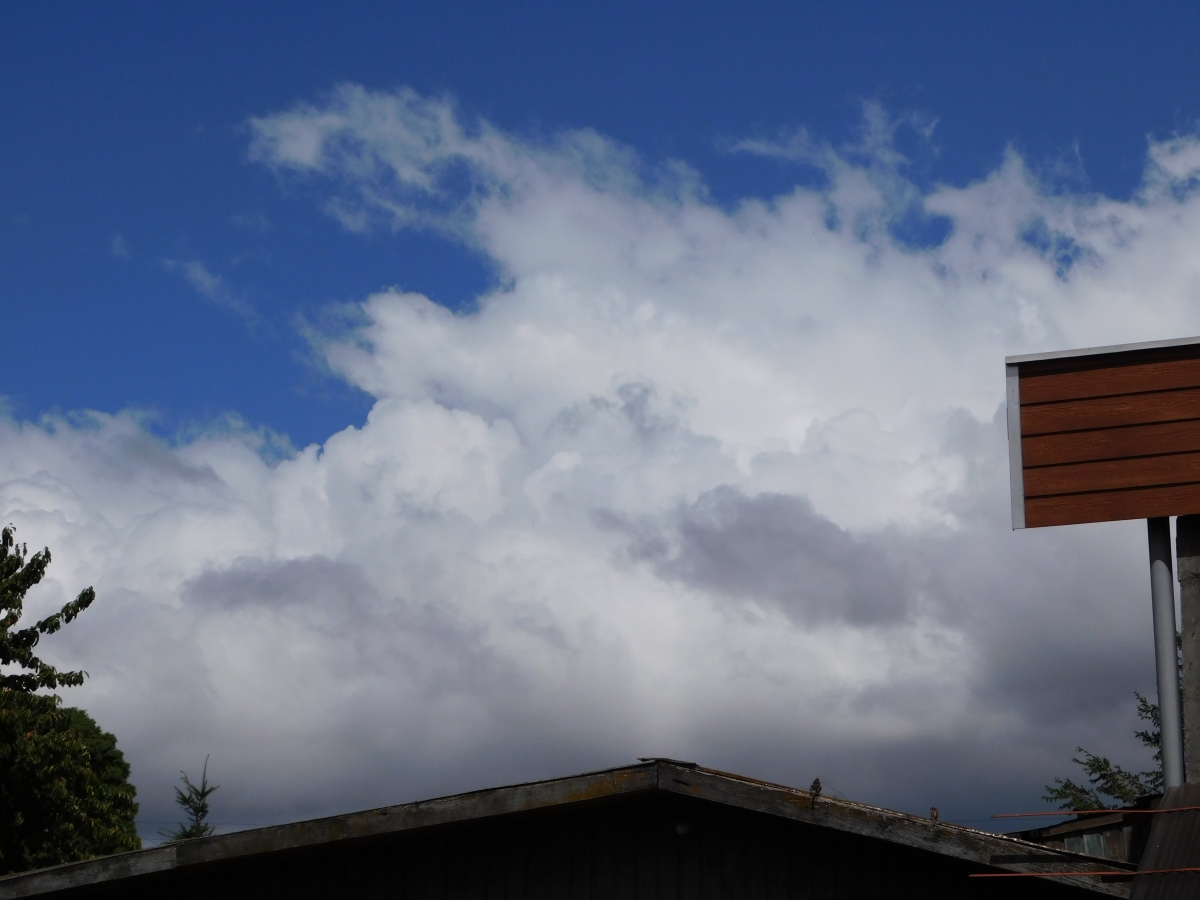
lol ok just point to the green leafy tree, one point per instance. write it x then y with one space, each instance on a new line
194 802
1109 786
64 786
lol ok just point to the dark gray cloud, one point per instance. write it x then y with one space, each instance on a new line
1044 633
378 635
1057 633
313 580
771 548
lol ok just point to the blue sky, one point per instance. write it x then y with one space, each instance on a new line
504 391
128 120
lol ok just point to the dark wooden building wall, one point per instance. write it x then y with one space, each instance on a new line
647 847
1111 437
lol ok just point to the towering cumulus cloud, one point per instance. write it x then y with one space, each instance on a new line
715 483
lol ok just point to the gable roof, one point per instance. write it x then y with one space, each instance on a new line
673 776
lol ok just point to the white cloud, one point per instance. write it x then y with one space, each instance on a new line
698 482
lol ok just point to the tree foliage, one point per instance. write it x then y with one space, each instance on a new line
17 576
194 802
64 785
1110 786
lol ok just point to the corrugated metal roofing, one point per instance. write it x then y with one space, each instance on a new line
1174 844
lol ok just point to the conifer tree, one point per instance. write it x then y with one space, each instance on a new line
1110 786
194 802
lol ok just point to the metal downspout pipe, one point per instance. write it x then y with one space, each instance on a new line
1162 595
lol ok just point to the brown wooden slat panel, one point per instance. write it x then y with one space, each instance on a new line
1137 503
1107 412
1155 376
1111 443
1111 474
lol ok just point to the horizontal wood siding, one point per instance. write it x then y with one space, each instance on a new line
1113 474
1110 412
1111 437
1110 380
1111 443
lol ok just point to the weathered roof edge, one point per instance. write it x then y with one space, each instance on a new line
957 841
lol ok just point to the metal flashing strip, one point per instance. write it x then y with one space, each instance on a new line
1016 469
1100 351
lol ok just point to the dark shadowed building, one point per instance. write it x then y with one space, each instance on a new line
1120 835
661 829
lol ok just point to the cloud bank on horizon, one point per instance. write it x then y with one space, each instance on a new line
718 483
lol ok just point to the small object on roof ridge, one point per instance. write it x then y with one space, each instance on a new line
815 790
933 813
683 764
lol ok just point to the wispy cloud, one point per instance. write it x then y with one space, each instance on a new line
875 145
214 289
250 222
119 246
